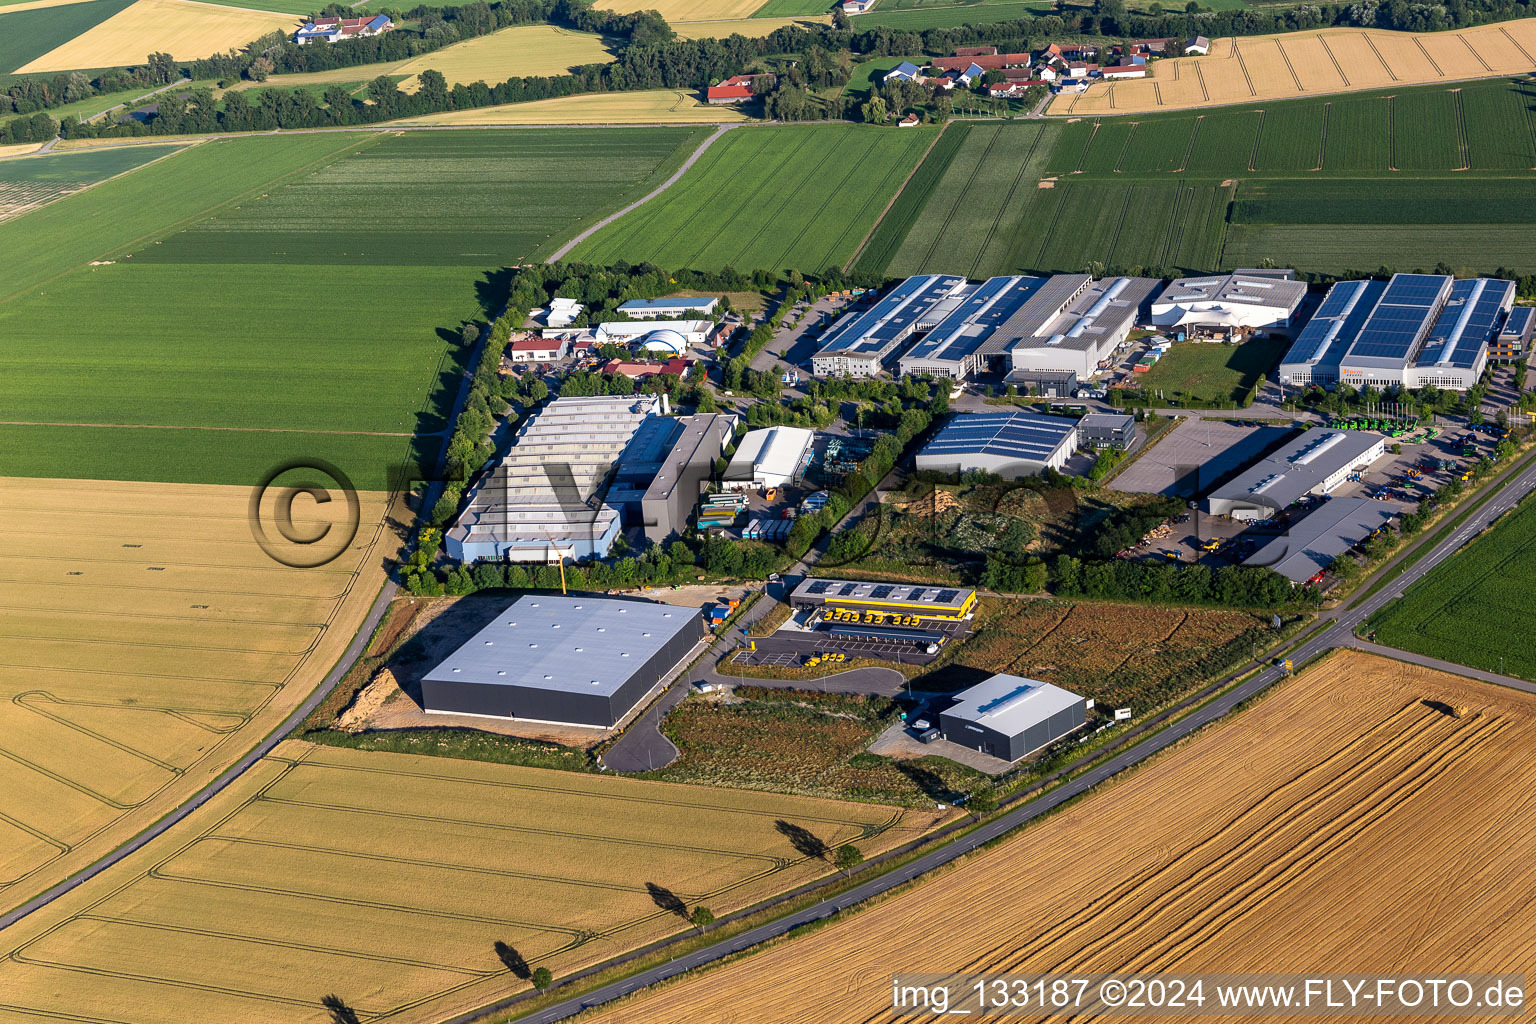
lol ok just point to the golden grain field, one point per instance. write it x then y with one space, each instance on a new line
753 28
1340 821
524 50
185 29
662 106
1298 64
389 879
687 10
147 642
32 5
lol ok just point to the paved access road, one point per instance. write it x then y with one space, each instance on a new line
1340 633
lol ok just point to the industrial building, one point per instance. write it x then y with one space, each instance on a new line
1415 330
1514 338
1010 444
966 339
544 501
921 606
577 660
771 457
1072 322
860 343
655 335
665 468
1106 430
1311 465
1242 300
676 308
1011 717
1332 529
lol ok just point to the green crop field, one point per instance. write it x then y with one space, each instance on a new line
27 35
300 7
1467 609
897 222
310 286
791 9
770 198
1211 374
30 183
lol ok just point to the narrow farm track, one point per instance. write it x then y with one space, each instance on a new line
560 253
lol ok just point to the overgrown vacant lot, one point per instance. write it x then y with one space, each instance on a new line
1333 822
310 287
1210 373
1330 60
773 197
390 879
1466 610
148 642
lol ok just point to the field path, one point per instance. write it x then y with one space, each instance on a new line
560 253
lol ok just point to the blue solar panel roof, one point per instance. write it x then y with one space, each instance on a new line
1401 317
964 330
1519 320
1017 435
891 317
1467 323
1336 323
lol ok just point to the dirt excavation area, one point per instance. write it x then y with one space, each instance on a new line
1366 813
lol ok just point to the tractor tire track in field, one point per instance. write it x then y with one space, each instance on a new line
1475 55
1391 133
1463 145
747 198
960 195
1114 242
1050 231
1286 58
1173 232
1083 156
1237 51
1194 136
1380 59
1200 77
1258 137
1336 65
1516 43
560 253
815 219
1419 43
1002 210
1042 638
1126 148
863 242
1322 144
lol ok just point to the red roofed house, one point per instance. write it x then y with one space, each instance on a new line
975 51
1003 90
675 367
537 350
992 62
1127 68
334 30
736 89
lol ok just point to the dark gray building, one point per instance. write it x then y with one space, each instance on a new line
661 474
1010 716
577 660
1106 430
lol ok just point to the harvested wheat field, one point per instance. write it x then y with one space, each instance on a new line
753 28
1340 821
1297 64
526 50
659 106
148 641
390 880
185 29
687 10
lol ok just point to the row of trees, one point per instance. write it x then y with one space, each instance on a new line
40 92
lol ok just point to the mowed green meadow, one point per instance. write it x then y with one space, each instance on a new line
257 300
774 198
1406 179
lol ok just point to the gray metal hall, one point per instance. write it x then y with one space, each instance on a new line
578 660
1010 717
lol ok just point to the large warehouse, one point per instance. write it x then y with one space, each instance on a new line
1332 529
1313 464
664 470
929 605
1073 322
1012 717
577 660
1244 299
542 501
1415 330
860 343
770 457
1010 444
964 342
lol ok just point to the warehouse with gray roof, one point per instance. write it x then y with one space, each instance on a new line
1011 717
1332 529
662 472
1245 299
860 344
1313 464
964 342
1072 322
1010 444
581 659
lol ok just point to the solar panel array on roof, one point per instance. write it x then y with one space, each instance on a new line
976 318
946 596
887 321
1336 322
1018 435
848 588
881 593
1518 322
820 587
1466 323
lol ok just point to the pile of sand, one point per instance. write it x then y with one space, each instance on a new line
368 701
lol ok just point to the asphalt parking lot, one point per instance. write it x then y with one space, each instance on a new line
791 647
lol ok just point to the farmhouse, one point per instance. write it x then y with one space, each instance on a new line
966 339
1243 299
1011 717
860 343
537 350
1072 322
982 62
1106 430
1010 444
664 470
1310 546
544 500
906 70
856 6
1129 67
771 457
675 308
932 606
1313 464
1006 90
1515 336
1197 45
910 121
334 30
579 660
736 89
1415 329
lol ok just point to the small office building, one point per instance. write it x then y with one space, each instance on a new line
1106 430
930 605
582 659
1011 717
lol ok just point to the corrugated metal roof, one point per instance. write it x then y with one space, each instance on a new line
1011 704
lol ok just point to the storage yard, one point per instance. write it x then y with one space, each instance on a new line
1243 848
391 879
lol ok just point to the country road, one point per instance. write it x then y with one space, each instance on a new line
1340 633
